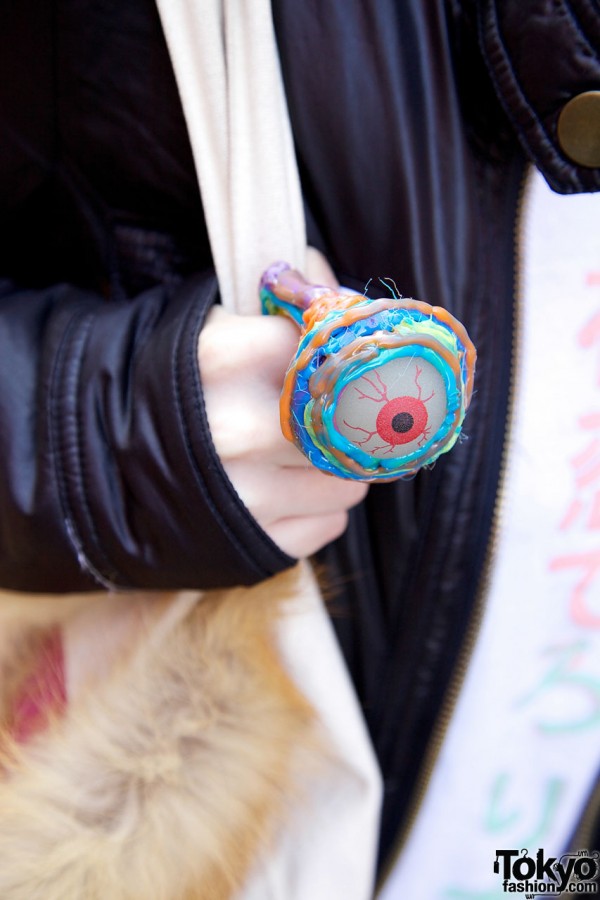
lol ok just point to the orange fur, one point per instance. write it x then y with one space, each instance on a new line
169 777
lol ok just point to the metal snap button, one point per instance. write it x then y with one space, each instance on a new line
579 129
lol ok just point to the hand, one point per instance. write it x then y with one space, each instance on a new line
243 361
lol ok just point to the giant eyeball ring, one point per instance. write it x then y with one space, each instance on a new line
377 388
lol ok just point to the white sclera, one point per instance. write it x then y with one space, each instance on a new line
370 412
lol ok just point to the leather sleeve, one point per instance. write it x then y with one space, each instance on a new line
541 55
109 475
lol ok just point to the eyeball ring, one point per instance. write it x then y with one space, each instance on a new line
377 388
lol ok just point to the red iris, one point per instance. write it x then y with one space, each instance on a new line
402 420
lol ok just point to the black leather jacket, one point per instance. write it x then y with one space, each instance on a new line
413 123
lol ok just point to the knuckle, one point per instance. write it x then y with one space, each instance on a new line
347 493
303 537
357 493
332 527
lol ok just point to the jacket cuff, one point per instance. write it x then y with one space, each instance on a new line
146 501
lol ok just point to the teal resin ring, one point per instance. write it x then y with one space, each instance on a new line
378 388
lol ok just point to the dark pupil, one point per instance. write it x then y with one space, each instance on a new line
402 422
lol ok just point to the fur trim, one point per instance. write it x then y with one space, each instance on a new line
165 780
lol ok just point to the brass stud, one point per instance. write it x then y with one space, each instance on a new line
579 129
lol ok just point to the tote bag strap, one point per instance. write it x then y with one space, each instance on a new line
225 59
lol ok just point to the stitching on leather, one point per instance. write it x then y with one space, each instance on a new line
511 77
75 482
57 444
502 73
576 19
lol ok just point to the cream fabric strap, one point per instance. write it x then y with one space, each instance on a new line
228 73
225 60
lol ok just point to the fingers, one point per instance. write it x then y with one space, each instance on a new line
318 270
301 537
258 348
245 424
275 493
243 361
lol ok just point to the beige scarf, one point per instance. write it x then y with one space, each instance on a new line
212 746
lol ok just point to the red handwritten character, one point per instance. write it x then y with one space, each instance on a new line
590 335
590 421
586 466
589 563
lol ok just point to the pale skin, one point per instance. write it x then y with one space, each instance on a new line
243 361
